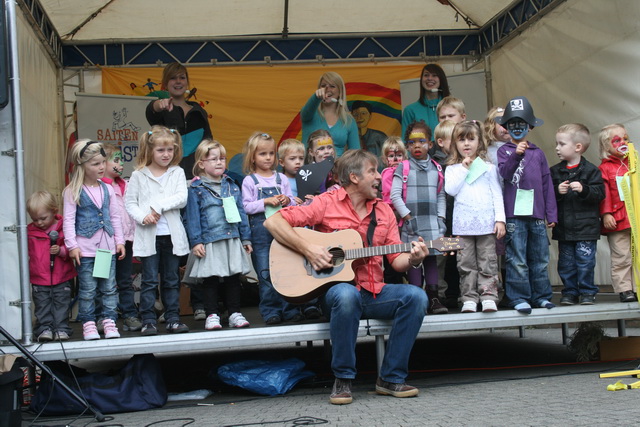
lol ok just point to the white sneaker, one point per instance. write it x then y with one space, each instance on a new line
212 322
110 329
89 331
469 307
237 320
489 306
199 314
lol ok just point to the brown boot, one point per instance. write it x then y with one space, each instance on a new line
435 306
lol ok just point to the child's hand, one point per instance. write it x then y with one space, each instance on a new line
298 200
563 187
609 222
152 218
284 200
467 162
121 250
248 248
163 105
199 250
551 224
54 250
75 255
499 230
272 201
576 186
522 146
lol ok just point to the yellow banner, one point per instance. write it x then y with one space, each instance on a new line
244 99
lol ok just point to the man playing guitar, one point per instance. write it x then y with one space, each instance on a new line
356 206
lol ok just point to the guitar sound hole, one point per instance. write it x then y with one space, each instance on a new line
337 256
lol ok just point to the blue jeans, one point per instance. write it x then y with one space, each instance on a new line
271 303
124 269
167 264
344 305
576 265
89 287
527 260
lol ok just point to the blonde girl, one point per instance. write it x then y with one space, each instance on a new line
264 191
218 235
495 135
478 216
615 221
327 109
92 228
156 193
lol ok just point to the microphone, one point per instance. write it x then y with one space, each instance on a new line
53 240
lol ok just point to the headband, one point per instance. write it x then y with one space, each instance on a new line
104 154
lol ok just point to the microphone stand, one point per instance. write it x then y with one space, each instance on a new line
98 415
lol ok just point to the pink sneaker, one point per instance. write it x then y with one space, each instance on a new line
110 329
89 331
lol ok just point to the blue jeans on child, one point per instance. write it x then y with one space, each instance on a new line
167 264
576 265
344 306
527 260
124 281
89 287
271 303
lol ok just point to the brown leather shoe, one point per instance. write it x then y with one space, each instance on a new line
395 389
341 393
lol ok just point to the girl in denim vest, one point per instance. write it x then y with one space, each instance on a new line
93 235
264 191
156 193
218 231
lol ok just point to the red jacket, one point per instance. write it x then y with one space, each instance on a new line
40 260
610 168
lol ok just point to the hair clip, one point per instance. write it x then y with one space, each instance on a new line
150 133
265 135
172 130
499 110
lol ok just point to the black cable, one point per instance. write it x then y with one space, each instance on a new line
299 421
190 421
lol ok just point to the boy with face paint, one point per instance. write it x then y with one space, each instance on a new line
113 177
530 207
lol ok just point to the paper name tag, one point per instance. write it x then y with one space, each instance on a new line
619 180
476 169
524 203
231 212
102 264
270 210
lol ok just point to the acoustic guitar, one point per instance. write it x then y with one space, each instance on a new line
297 281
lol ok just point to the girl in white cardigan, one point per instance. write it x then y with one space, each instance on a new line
156 193
478 216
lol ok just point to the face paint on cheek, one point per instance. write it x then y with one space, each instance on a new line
518 129
620 144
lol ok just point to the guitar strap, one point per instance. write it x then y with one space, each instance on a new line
372 226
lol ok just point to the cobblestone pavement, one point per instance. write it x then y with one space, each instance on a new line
466 379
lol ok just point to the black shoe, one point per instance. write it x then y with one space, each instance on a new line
312 313
587 299
149 329
628 296
341 392
177 328
298 317
273 320
568 300
395 389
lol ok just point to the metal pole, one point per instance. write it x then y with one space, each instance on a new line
19 150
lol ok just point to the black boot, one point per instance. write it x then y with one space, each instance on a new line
435 306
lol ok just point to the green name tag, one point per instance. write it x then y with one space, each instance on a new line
231 212
102 264
477 168
619 180
270 210
524 203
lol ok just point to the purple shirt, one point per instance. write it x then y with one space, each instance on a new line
528 172
250 193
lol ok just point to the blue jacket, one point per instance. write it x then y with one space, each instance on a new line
205 219
90 218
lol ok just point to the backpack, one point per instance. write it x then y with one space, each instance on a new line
387 180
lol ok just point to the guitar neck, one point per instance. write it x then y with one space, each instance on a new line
376 251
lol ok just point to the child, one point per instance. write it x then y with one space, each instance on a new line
50 269
478 217
124 267
579 190
615 222
265 191
218 235
291 159
528 200
495 134
423 212
157 191
442 135
321 147
451 108
93 234
393 152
